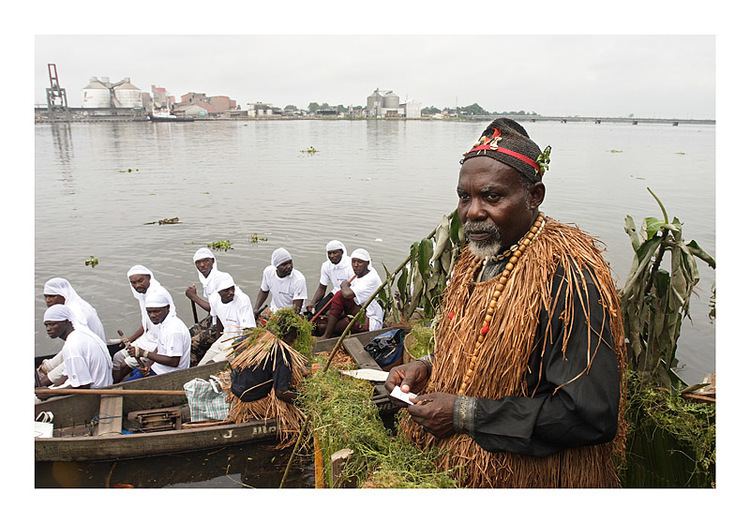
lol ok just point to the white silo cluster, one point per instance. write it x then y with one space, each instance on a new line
388 105
100 93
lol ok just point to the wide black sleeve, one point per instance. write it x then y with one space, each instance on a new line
582 412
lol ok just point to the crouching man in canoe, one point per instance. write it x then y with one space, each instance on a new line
234 313
209 274
86 360
172 350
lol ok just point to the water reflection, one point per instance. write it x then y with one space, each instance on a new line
62 139
249 466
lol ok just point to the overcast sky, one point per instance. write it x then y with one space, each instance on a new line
648 76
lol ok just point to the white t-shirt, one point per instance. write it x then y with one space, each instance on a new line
86 360
333 275
235 315
363 288
283 290
174 340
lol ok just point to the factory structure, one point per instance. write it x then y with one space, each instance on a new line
100 93
387 104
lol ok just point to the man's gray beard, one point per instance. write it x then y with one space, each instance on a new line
484 249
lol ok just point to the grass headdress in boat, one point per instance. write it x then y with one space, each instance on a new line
506 141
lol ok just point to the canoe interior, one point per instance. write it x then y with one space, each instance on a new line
70 411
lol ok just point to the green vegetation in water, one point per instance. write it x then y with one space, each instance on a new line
310 150
92 261
342 415
671 441
614 151
164 221
255 238
284 320
221 245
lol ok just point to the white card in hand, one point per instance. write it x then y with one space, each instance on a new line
406 397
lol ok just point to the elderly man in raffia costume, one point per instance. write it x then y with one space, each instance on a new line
525 387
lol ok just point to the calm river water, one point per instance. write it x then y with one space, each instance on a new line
380 185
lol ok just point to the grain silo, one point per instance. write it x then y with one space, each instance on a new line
390 100
374 102
128 95
96 94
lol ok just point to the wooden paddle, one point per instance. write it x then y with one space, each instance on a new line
107 392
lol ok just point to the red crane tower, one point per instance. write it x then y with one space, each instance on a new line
57 100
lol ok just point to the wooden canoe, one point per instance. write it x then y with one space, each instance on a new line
73 416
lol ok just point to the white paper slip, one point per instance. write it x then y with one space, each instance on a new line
367 374
406 397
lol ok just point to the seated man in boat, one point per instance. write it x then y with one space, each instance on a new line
208 275
287 286
60 291
333 272
348 301
86 360
172 351
142 283
233 311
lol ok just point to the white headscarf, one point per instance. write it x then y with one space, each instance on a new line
59 312
361 254
280 256
154 287
158 298
83 312
335 245
224 281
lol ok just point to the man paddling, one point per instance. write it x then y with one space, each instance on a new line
86 360
60 291
286 285
208 274
142 284
333 272
348 301
234 313
172 351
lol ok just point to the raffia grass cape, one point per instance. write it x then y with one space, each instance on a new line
502 362
247 353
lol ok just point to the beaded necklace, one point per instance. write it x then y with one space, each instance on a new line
515 252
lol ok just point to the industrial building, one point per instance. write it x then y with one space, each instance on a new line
211 104
388 105
100 93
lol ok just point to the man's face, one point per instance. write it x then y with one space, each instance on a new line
55 328
360 267
54 299
495 207
157 314
140 282
227 294
335 256
285 269
204 266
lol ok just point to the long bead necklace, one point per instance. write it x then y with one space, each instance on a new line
522 245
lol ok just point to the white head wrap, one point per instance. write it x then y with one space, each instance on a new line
157 298
60 287
224 281
154 287
59 313
280 256
202 254
335 245
361 254
83 312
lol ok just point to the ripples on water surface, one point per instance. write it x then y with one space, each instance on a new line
375 184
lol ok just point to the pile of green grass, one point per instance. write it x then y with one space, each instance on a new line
342 415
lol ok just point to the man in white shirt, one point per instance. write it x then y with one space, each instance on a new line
172 350
60 291
348 301
286 284
208 275
234 312
333 272
86 360
142 284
